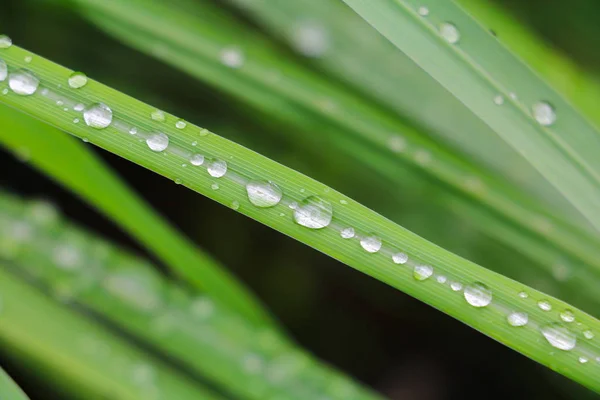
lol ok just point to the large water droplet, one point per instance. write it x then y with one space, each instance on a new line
517 318
197 159
217 168
98 116
567 316
314 213
400 258
478 294
449 32
347 233
5 42
157 142
264 193
559 336
232 57
78 80
310 38
422 272
544 113
544 305
3 70
23 82
371 244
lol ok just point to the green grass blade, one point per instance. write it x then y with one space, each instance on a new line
476 69
178 36
430 273
80 357
9 389
197 331
71 164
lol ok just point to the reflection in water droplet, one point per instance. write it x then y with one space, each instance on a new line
217 168
422 272
371 244
400 258
180 124
518 318
98 116
441 279
567 316
523 295
456 286
5 42
157 142
478 294
197 159
264 193
544 113
559 336
77 80
588 334
23 82
314 213
449 32
544 305
347 233
583 360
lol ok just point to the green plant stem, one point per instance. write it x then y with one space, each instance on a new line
8 389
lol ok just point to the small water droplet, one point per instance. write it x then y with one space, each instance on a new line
449 32
423 11
214 186
158 115
3 70
523 295
517 318
314 213
133 131
559 337
203 132
478 294
347 233
499 100
588 334
23 82
5 91
5 42
67 257
235 204
28 59
76 120
43 213
79 107
264 193
544 305
544 113
396 143
60 102
441 279
77 80
194 143
157 142
232 57
180 124
197 159
400 258
135 286
456 286
372 244
513 95
342 201
583 360
98 116
310 38
422 272
217 168
567 316
178 181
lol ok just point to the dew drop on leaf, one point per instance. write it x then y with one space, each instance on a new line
347 233
217 168
544 305
5 42
23 82
559 337
77 80
567 316
98 116
263 193
314 213
544 113
197 159
449 32
157 142
422 272
517 318
478 294
400 258
371 244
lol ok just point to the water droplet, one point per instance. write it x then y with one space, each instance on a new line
523 295
178 181
449 32
499 100
422 272
264 193
77 80
197 159
423 11
293 205
588 334
441 279
559 337
133 131
98 116
203 132
396 143
78 107
3 70
180 124
314 213
567 316
478 294
202 308
372 244
347 233
214 186
5 91
217 168
157 115
23 82
194 143
232 57
28 59
400 258
5 42
135 286
513 95
310 38
235 204
517 318
422 157
157 142
43 213
544 305
75 120
456 286
60 102
583 360
67 257
544 113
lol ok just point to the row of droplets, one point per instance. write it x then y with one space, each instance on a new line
313 212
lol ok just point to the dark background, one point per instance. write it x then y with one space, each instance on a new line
388 340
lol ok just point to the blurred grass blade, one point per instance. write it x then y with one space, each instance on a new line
196 331
8 389
307 211
470 63
71 164
79 357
